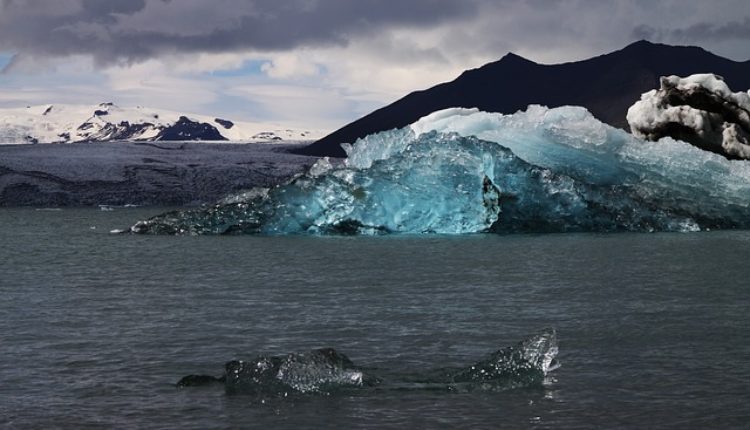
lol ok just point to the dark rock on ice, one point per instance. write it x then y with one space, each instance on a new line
185 129
85 126
224 123
266 135
699 109
124 130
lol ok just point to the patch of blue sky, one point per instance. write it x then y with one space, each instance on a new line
248 68
5 58
235 108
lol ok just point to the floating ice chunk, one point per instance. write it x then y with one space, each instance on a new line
326 371
309 372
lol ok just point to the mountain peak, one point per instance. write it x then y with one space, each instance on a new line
511 57
606 85
644 45
509 60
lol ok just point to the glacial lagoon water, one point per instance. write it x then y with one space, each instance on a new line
96 329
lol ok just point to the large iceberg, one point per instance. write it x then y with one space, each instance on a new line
464 171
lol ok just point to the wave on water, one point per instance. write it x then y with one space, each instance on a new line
326 371
463 171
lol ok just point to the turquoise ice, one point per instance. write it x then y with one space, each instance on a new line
461 171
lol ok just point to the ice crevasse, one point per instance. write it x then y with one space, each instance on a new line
460 171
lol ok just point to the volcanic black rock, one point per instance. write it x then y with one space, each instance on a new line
185 129
224 123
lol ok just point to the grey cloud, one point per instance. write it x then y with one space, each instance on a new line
702 31
129 31
114 30
107 11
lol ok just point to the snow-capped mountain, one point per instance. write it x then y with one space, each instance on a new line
108 122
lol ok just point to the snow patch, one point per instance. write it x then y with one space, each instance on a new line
108 121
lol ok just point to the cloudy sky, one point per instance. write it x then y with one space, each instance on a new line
316 63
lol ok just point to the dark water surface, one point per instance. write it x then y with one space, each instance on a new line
95 329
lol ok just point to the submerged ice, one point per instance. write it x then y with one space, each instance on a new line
325 370
465 171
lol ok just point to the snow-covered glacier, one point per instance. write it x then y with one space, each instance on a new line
464 171
105 122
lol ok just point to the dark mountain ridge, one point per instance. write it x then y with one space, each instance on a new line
606 85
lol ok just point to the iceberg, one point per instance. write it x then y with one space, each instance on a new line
460 171
699 109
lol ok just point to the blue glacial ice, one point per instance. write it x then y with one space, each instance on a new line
461 171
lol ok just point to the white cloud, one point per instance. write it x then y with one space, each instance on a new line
292 65
325 86
304 106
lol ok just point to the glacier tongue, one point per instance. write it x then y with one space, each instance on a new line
465 171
